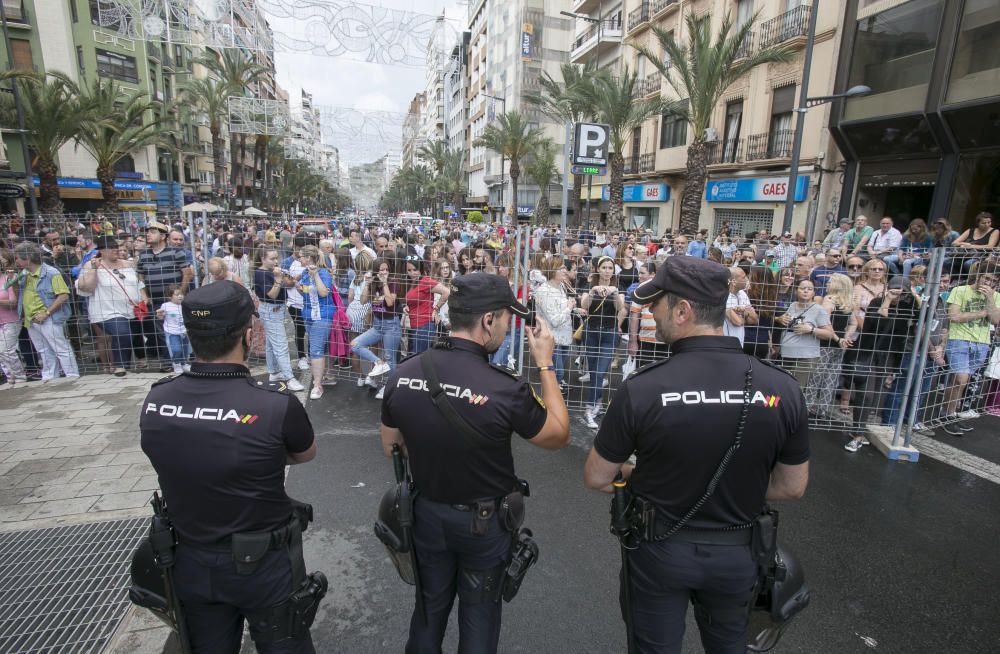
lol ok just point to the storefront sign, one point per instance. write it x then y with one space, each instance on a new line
120 185
11 191
756 189
527 29
640 193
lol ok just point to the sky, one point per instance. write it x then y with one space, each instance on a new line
346 81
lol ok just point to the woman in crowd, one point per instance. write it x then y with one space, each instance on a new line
10 324
113 287
942 233
763 294
505 266
358 312
383 292
270 284
914 250
643 343
552 304
805 323
625 268
839 304
344 274
725 245
605 309
315 285
981 236
420 304
465 265
217 271
535 274
443 274
869 286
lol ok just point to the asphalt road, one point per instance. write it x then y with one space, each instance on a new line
900 557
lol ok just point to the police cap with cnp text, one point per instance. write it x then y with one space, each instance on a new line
481 293
217 309
692 278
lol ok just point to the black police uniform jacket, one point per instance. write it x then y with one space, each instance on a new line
219 440
448 467
679 417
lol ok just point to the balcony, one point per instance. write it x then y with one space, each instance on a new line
770 146
649 85
638 17
17 15
585 43
153 52
725 152
746 49
640 163
586 6
656 6
791 25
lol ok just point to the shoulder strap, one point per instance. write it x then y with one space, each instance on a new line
120 285
440 399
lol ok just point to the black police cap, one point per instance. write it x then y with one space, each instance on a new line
477 293
692 278
217 309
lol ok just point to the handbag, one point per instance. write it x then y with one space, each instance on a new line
578 334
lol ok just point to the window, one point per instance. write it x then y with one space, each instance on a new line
206 177
667 63
975 72
95 16
779 138
744 12
72 11
79 58
120 67
633 164
21 50
673 130
154 92
731 138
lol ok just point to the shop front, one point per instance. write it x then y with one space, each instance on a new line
80 195
647 206
751 204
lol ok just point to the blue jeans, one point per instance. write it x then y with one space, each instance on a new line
506 350
600 346
421 337
179 347
119 331
890 411
272 316
319 337
559 361
893 262
385 330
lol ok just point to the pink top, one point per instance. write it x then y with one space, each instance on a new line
7 314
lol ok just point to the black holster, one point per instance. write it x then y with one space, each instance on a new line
293 617
524 554
764 546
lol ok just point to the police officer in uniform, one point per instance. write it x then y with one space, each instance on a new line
458 533
219 441
679 417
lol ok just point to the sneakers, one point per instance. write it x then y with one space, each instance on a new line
922 429
186 367
178 368
585 377
589 415
968 415
275 377
964 427
604 383
854 445
381 392
371 382
316 393
380 369
345 365
361 381
953 429
294 384
303 364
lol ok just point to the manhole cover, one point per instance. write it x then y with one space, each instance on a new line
65 589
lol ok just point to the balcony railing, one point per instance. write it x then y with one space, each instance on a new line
647 162
659 5
153 52
746 48
16 13
726 151
787 26
606 26
646 86
773 145
638 16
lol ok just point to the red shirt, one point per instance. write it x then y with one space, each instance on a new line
420 302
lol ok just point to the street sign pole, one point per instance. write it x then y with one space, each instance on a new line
565 187
590 148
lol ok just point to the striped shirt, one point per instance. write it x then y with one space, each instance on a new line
647 324
161 271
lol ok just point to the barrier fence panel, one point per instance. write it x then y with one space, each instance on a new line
902 339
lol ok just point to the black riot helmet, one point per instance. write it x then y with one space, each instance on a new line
389 529
777 603
148 588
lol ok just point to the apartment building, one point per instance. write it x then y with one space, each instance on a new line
750 138
456 114
412 129
511 44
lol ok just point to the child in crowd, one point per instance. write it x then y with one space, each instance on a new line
173 326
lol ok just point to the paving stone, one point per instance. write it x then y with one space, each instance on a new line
96 430
13 495
91 413
18 425
101 472
34 454
50 477
107 486
28 444
56 508
119 445
31 467
131 457
116 501
10 481
146 483
17 512
88 461
80 450
140 469
104 420
55 492
6 413
6 467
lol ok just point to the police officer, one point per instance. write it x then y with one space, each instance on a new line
461 544
219 441
679 417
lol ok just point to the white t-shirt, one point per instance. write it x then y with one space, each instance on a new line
294 297
739 299
113 297
173 319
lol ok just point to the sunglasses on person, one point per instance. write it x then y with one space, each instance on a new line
855 267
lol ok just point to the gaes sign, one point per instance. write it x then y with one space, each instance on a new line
755 189
591 142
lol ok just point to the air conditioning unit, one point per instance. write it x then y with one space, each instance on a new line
711 135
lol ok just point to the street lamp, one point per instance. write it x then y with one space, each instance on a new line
804 103
503 160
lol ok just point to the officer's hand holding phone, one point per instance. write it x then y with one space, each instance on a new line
541 342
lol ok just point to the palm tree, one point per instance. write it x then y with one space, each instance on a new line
454 180
541 170
118 128
702 72
233 68
434 153
614 102
212 97
52 118
512 137
566 102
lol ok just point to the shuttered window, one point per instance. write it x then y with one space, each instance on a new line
21 50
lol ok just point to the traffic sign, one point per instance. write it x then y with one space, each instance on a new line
591 143
11 191
589 170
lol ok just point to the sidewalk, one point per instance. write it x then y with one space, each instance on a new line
70 454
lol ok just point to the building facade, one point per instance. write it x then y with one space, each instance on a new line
926 142
412 128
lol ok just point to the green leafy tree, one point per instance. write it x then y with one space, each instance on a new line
435 152
701 72
475 217
511 136
541 170
453 176
211 96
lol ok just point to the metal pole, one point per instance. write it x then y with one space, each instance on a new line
22 135
194 250
204 238
524 297
800 120
565 187
590 187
